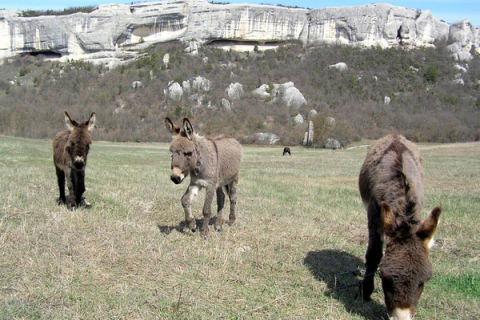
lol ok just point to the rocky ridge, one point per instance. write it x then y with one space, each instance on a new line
115 32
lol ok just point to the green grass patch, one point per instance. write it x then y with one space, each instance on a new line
467 284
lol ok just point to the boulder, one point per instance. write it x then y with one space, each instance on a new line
298 119
261 92
226 104
173 91
137 84
332 144
340 66
288 94
201 84
312 113
235 91
267 138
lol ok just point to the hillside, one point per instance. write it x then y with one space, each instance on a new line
422 93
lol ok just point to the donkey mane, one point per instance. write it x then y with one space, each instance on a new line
400 169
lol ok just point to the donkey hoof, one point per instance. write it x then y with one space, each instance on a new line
194 229
84 203
218 228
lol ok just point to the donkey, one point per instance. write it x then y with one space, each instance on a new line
391 188
70 151
286 150
212 164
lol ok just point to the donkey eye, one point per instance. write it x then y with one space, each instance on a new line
187 154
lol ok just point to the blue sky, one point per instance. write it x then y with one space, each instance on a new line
447 10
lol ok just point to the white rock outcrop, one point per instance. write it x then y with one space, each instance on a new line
340 66
261 92
173 91
117 31
288 94
265 137
226 105
201 84
235 91
312 113
308 137
298 119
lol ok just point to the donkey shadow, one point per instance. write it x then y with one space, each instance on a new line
340 271
182 225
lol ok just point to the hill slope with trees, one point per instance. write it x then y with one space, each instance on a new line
431 97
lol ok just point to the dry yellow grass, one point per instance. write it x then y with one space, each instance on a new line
300 223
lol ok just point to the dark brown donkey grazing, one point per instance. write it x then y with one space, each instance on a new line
391 187
213 164
70 151
287 150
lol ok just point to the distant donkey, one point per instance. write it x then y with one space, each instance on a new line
212 164
287 150
391 188
70 151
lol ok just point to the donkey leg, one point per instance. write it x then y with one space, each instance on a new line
372 259
232 193
80 187
187 200
61 185
374 251
207 209
71 182
220 205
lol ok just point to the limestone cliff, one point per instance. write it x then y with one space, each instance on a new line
116 31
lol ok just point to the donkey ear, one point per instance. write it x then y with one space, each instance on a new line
91 122
388 219
174 129
70 122
428 227
187 126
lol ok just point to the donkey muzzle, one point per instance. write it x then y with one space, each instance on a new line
79 164
177 175
176 179
401 314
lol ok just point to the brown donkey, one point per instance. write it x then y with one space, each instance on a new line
391 187
70 151
212 164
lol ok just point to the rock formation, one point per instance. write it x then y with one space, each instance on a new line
308 137
116 31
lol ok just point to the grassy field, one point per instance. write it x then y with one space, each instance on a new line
300 229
